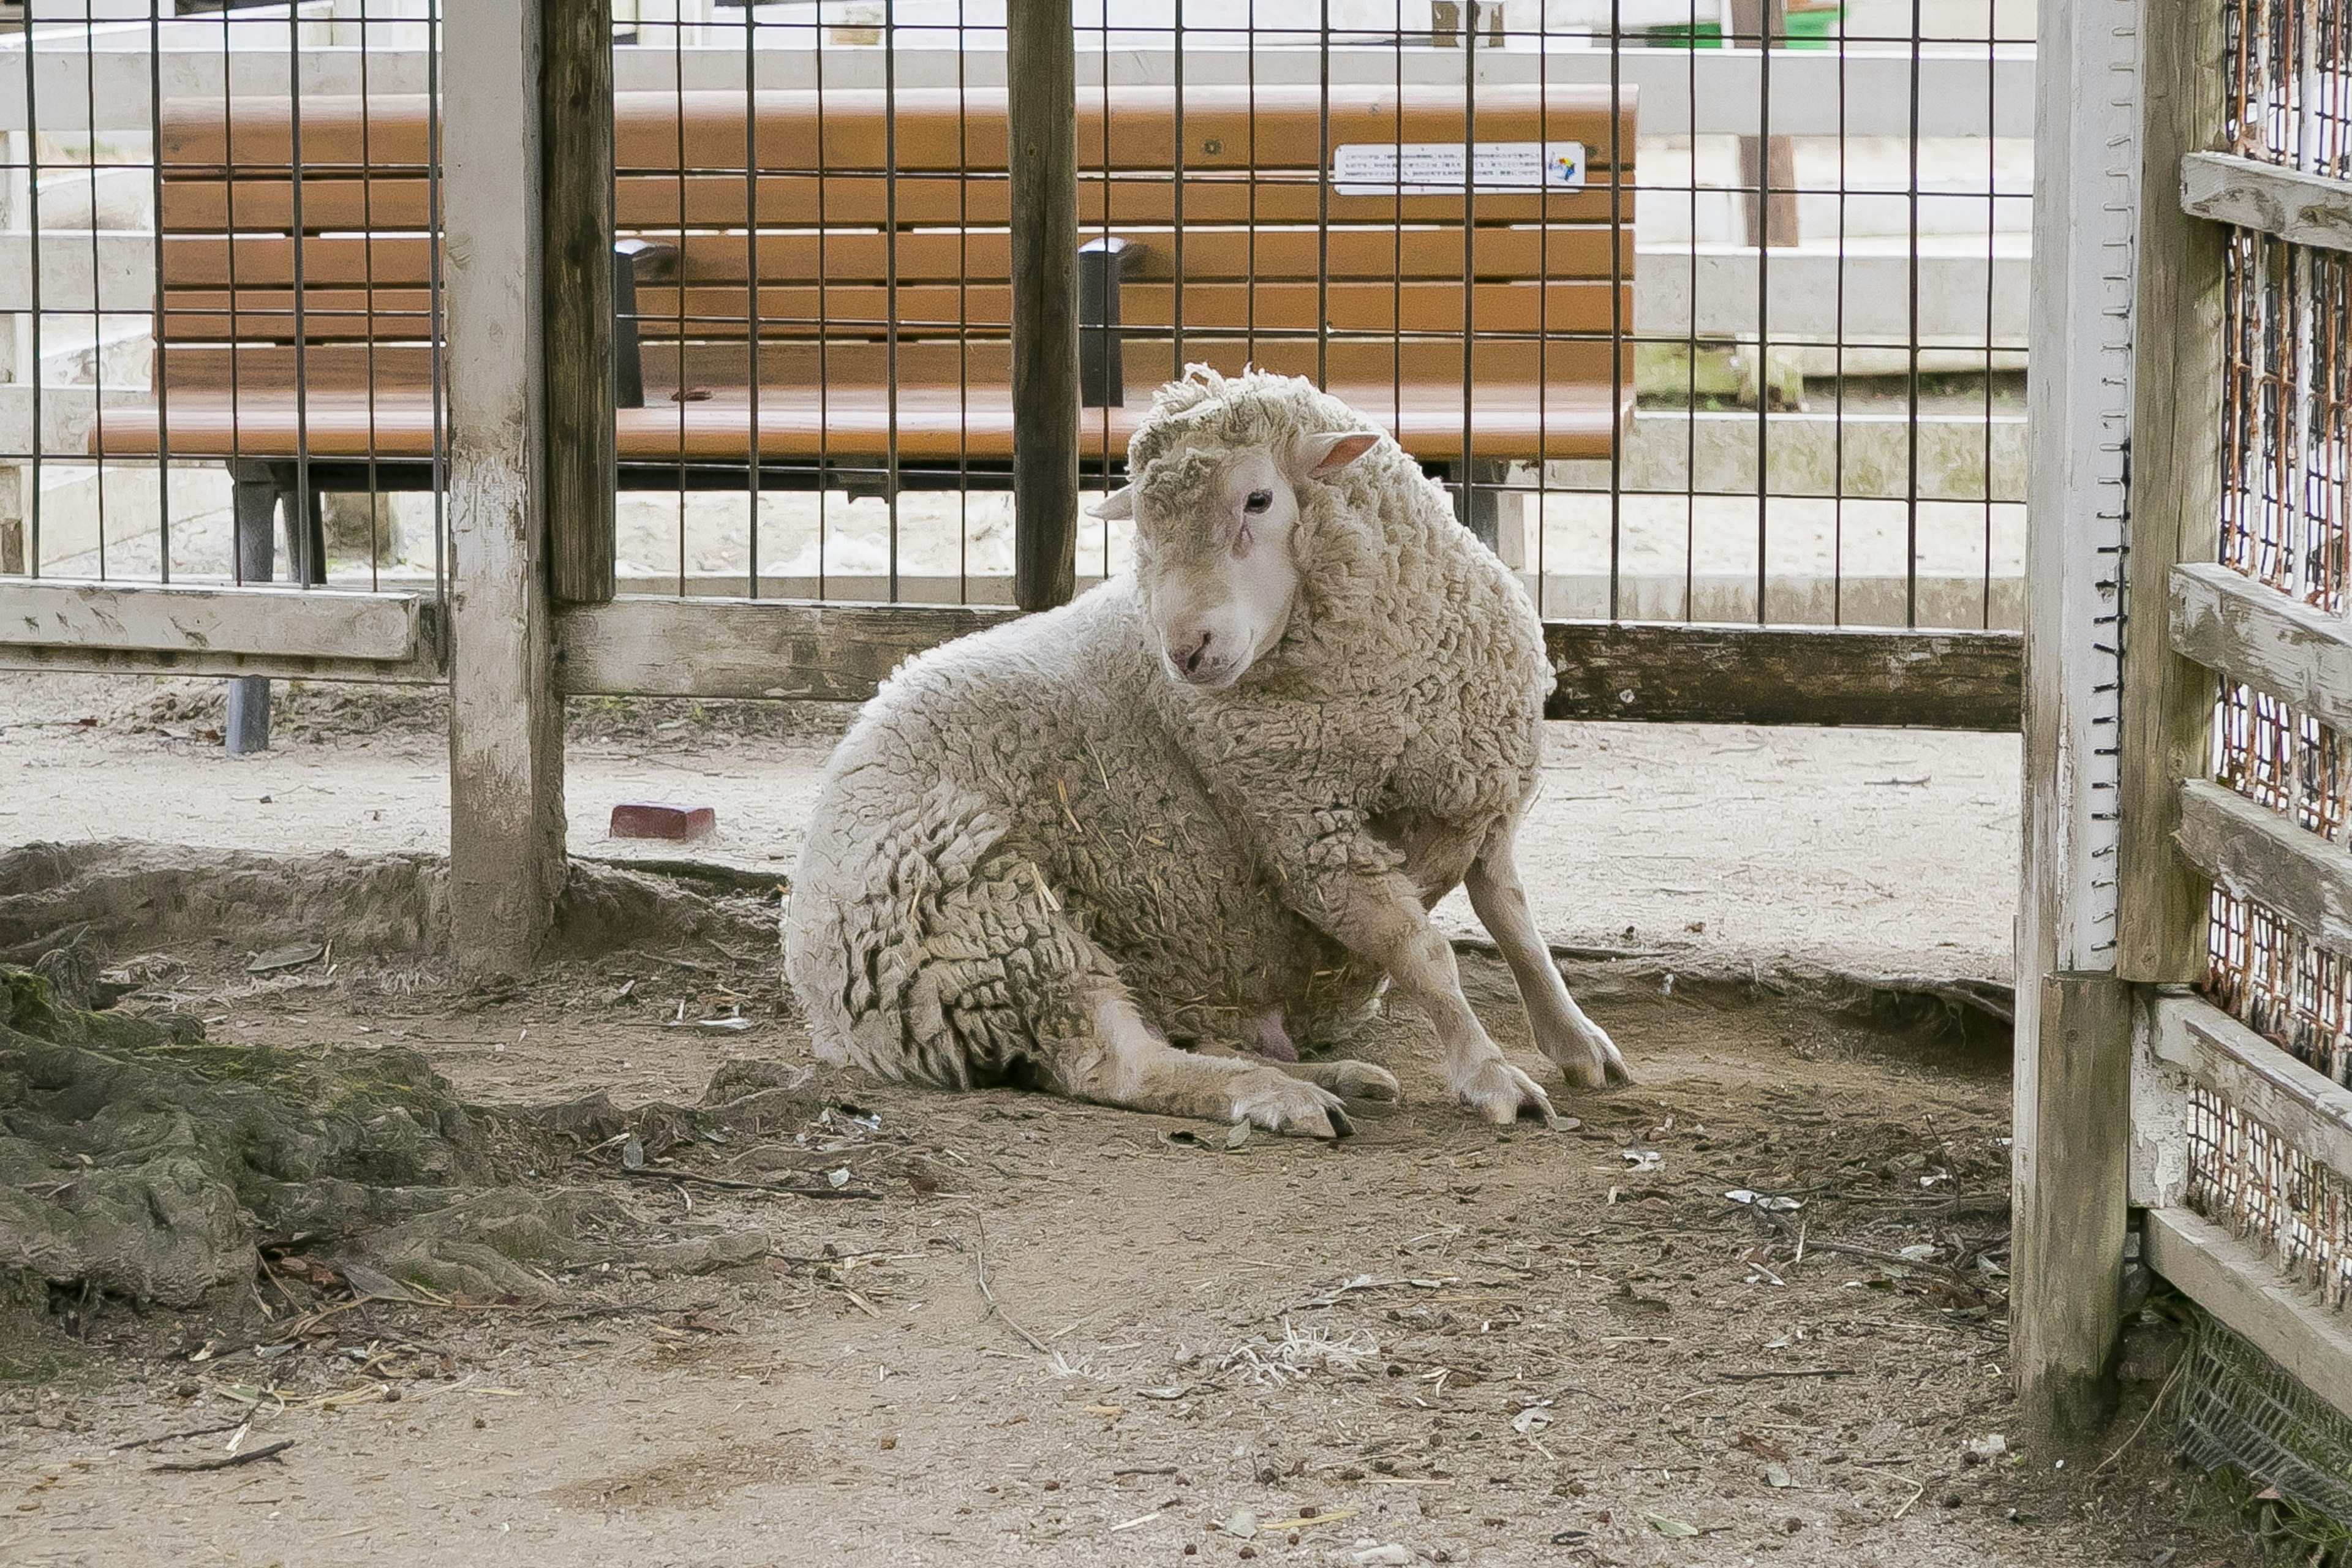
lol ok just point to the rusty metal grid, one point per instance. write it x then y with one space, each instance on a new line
2243 1175
2289 77
2286 500
2269 976
2290 763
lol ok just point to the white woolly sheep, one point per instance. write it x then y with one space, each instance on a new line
1208 805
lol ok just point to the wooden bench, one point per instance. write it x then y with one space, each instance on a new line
312 366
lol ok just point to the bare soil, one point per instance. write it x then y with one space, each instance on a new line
1436 1340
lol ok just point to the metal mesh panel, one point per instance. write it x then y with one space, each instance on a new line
2242 1174
2272 979
2238 1407
2296 765
2290 83
2287 509
1766 366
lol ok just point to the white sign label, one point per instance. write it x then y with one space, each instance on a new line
1435 168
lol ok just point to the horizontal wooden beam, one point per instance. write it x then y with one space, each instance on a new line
2230 1279
2306 209
2230 623
2255 853
1776 675
218 631
649 647
2309 1109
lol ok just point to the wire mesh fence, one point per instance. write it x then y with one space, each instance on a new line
1724 320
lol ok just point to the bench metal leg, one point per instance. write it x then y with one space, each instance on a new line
1480 503
247 728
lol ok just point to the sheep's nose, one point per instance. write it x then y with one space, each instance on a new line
1187 652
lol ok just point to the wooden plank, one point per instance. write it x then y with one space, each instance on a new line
2069 1205
1042 115
2255 853
506 720
2234 1282
929 128
2299 654
673 202
426 669
1759 675
743 648
1427 310
2306 1107
973 252
355 628
847 421
2176 500
576 257
2303 209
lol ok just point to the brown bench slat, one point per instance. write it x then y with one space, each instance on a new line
981 255
948 128
982 363
932 425
805 201
864 310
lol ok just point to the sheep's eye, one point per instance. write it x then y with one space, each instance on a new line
1258 501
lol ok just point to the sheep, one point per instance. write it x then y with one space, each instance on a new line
1209 804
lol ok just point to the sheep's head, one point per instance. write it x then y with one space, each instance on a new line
1214 565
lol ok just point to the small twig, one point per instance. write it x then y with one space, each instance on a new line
266 1451
192 1432
1791 1372
1918 1491
1876 1255
650 1174
979 1259
2154 1405
1144 1471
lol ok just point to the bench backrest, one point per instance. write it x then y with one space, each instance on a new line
856 269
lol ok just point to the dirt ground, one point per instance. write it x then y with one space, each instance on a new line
1434 1342
1871 851
1013 1331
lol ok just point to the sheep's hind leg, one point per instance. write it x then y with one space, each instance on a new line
1123 1061
1582 1049
1267 1036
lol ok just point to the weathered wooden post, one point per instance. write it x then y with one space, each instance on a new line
1041 114
514 92
2073 1012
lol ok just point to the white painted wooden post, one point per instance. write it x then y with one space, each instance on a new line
506 721
2072 1111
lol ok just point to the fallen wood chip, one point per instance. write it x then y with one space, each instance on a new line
651 1173
191 1432
1790 1371
266 1451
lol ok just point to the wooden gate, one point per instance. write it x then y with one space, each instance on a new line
2186 978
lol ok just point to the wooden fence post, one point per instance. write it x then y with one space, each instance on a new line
506 720
576 188
2176 492
1041 114
2072 1114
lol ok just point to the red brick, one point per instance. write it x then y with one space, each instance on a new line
648 819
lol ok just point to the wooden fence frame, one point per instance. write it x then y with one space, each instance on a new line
532 615
2110 1050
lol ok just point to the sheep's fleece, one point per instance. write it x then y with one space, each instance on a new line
1040 857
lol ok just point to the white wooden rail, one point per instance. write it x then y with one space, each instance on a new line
218 631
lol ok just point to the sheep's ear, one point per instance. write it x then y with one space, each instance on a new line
1322 455
1118 504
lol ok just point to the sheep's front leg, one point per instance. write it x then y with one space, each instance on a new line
1379 915
1123 1061
1580 1046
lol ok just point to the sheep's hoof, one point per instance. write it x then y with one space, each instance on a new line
1502 1094
1280 1103
1355 1080
1593 1062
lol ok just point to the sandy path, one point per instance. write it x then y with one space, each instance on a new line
1879 851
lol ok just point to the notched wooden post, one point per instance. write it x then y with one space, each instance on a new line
506 721
2176 496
